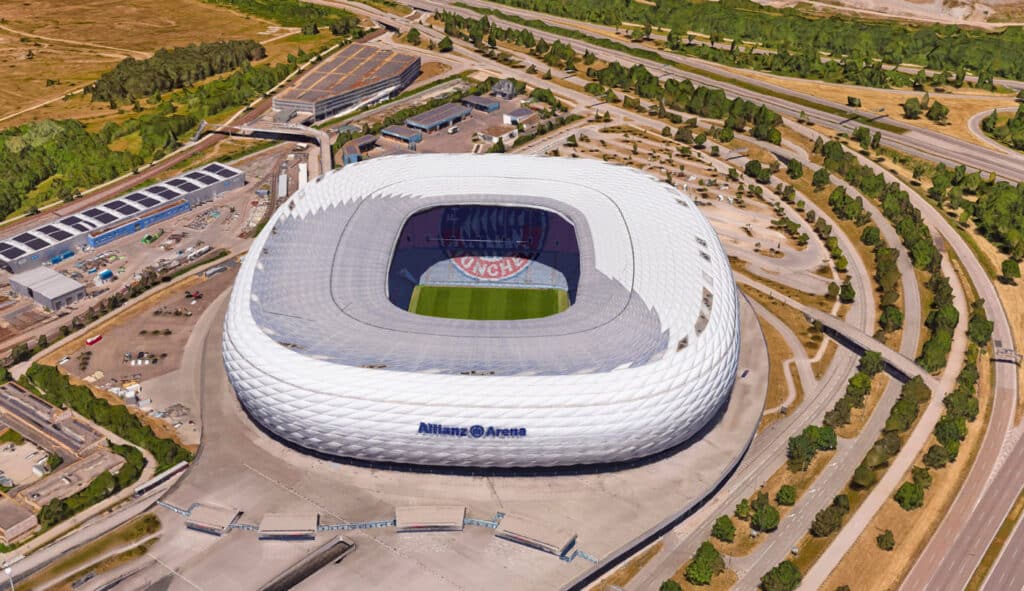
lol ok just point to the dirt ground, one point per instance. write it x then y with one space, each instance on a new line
71 44
778 353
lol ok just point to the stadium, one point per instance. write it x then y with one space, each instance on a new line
489 311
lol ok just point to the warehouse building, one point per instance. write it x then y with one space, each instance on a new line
47 287
403 134
357 75
16 521
57 240
482 103
438 117
354 149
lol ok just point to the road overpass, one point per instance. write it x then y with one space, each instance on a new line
270 129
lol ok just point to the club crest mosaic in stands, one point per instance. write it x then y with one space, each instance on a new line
493 243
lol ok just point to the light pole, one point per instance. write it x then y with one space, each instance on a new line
10 578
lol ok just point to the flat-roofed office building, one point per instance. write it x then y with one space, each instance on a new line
358 74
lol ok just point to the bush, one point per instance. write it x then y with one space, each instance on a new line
670 585
863 477
786 495
886 541
910 496
784 577
723 529
936 458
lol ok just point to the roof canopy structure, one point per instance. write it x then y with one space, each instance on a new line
642 360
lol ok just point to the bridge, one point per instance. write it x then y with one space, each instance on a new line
896 364
287 130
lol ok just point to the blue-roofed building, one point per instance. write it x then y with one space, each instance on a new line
403 134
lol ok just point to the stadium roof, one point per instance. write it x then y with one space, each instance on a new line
641 360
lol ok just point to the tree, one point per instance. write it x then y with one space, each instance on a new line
794 169
912 108
743 510
820 179
852 101
863 477
886 541
1011 270
833 290
765 519
891 318
413 36
936 457
723 529
871 363
670 585
786 495
445 45
827 521
847 293
910 496
921 477
700 140
706 563
784 577
937 112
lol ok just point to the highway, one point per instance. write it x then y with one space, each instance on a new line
914 141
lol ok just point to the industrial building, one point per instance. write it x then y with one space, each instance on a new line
499 133
353 149
70 478
403 134
438 117
57 240
358 74
16 521
47 287
521 116
482 103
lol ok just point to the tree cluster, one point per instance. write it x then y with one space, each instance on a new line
857 389
295 13
169 69
830 519
913 394
803 447
55 388
785 576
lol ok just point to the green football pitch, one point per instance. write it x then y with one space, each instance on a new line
487 303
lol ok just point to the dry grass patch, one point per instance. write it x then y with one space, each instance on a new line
872 568
794 319
621 576
798 399
819 366
73 43
963 103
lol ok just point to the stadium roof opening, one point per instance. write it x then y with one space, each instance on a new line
485 262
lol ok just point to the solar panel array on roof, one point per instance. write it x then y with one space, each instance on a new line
163 192
121 207
10 251
55 232
78 223
220 171
99 215
31 241
143 200
202 178
183 185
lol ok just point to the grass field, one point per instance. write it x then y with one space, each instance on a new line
487 303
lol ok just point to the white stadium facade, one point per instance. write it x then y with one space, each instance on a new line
322 351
